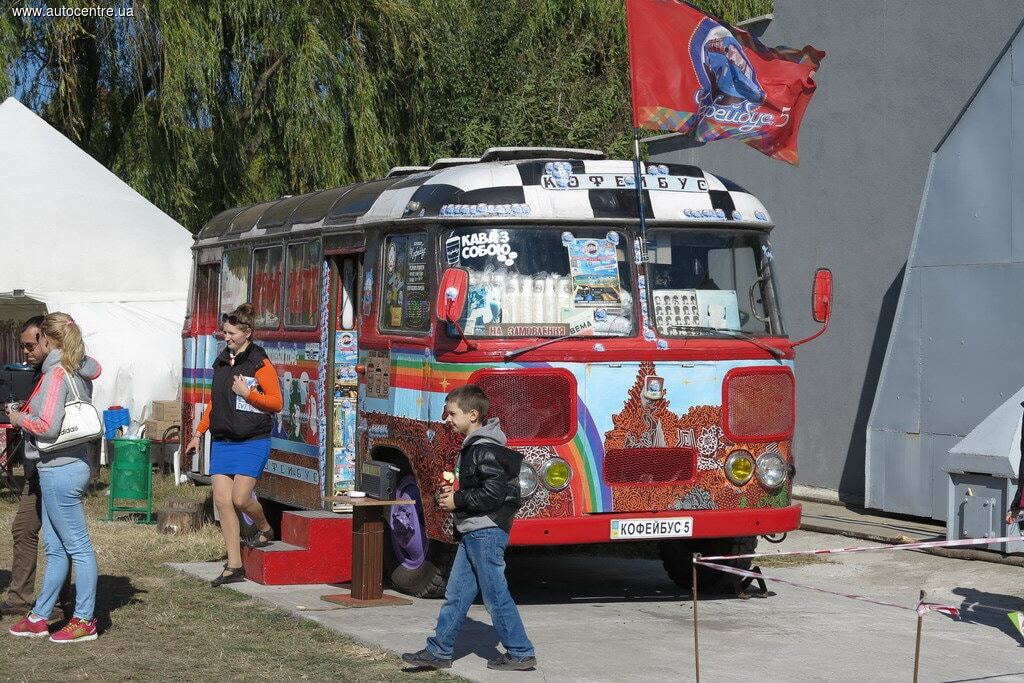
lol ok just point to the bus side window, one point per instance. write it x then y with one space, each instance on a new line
347 295
266 286
303 285
405 304
234 288
207 299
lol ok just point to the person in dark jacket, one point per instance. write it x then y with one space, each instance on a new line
483 506
246 392
28 519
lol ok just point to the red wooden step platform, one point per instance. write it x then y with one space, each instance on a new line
315 547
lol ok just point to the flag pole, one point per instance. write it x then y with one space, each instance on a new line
638 183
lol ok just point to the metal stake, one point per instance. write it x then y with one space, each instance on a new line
917 645
696 644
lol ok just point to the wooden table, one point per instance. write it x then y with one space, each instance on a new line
367 553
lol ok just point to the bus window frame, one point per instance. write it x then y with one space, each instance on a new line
761 236
281 287
248 282
285 325
627 234
430 233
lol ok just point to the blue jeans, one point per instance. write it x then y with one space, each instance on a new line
480 568
66 539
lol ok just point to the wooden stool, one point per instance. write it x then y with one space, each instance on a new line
367 554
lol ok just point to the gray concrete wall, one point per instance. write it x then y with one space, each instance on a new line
896 76
954 353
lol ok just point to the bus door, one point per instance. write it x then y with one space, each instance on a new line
343 350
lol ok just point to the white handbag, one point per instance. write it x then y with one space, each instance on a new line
81 423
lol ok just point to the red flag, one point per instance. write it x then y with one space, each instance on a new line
693 75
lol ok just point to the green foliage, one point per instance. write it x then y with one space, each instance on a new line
206 105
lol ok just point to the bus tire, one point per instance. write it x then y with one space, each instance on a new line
415 564
677 558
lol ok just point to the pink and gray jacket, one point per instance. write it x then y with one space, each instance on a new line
45 410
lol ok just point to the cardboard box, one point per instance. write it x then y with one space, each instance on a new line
155 429
166 411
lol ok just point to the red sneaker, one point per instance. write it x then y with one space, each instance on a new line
75 631
26 628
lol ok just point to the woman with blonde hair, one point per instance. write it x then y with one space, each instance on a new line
63 478
246 392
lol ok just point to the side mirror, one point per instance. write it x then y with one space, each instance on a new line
821 303
451 295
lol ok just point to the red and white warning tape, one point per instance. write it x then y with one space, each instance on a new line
754 575
867 548
921 608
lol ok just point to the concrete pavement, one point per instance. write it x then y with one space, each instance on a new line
598 618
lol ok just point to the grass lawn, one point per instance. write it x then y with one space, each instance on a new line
157 624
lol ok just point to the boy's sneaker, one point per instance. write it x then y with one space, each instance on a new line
77 630
425 660
506 662
26 628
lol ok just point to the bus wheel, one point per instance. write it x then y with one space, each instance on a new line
416 564
677 558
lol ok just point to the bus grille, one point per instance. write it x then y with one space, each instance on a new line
758 404
537 407
649 465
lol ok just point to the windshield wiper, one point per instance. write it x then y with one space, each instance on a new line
509 355
735 334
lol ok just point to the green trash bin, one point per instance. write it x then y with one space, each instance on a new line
131 478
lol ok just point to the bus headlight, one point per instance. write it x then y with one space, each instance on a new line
739 467
527 481
771 470
555 474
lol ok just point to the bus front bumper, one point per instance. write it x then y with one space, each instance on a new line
597 528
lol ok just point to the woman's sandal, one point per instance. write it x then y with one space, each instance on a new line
230 575
261 539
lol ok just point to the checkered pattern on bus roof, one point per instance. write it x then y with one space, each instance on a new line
503 184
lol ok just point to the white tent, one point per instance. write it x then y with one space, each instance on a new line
77 239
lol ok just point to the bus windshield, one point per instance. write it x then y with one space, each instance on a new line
705 282
543 282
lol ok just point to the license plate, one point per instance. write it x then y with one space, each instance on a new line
665 527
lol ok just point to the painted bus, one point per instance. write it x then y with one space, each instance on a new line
641 367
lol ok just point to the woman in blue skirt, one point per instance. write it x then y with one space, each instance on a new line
246 392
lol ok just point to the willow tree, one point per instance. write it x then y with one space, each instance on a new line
203 105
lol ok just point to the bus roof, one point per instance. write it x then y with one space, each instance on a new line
507 184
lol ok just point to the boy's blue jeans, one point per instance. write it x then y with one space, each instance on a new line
480 568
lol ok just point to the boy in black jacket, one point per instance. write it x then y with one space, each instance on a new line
484 505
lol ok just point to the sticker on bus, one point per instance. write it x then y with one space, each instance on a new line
670 527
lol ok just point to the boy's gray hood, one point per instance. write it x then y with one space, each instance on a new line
490 432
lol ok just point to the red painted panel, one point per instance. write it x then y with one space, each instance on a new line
706 524
615 350
316 547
